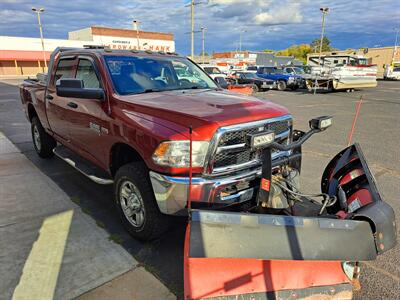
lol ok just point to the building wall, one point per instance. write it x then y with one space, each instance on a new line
84 34
7 68
126 38
35 44
27 51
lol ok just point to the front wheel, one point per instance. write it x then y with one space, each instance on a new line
136 203
42 141
281 85
255 88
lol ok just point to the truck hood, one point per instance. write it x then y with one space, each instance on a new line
201 109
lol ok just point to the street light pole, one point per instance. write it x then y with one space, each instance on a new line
38 12
324 11
203 29
136 26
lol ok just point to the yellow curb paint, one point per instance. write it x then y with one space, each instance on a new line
40 273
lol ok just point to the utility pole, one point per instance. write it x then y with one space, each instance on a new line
395 44
136 26
324 11
240 39
203 29
192 5
38 12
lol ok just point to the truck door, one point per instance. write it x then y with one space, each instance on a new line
88 121
56 106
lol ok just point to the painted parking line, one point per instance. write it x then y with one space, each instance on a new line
40 273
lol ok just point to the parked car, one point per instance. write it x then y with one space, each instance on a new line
213 71
259 84
303 71
392 71
283 79
232 86
229 161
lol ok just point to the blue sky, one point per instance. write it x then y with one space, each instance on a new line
269 24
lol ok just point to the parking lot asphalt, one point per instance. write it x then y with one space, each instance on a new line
376 130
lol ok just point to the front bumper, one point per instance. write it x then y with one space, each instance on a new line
268 84
171 192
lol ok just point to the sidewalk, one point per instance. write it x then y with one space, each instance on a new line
50 249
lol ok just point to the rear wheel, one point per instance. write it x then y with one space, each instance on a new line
281 85
136 203
42 141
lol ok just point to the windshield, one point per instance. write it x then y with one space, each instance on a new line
250 75
298 70
135 75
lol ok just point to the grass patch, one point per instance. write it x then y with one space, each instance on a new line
100 224
116 239
76 200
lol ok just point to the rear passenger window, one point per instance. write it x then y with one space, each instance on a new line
87 73
64 69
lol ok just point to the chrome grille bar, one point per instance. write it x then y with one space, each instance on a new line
220 146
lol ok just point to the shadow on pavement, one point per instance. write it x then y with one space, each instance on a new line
162 257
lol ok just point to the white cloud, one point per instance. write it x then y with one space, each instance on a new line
286 14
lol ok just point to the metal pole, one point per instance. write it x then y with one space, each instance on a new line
192 31
322 38
136 25
240 41
395 44
324 11
202 42
41 38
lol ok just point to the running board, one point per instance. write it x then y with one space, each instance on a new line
83 166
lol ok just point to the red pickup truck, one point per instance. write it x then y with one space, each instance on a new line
174 145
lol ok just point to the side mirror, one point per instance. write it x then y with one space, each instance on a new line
74 88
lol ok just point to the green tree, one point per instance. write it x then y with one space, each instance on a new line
269 51
326 45
298 51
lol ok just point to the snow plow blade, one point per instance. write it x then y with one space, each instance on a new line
240 235
242 255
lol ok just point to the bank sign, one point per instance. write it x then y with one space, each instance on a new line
132 43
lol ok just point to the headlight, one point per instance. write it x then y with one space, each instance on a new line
291 78
177 154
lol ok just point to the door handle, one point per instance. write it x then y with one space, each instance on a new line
49 97
72 104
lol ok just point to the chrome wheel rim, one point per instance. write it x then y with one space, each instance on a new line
132 203
36 138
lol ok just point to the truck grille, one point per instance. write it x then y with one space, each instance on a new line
237 137
232 150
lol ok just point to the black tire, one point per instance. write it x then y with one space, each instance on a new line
281 85
255 88
42 141
154 223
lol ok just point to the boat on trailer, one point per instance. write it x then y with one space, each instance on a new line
340 72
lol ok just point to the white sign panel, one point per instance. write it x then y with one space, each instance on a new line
124 43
